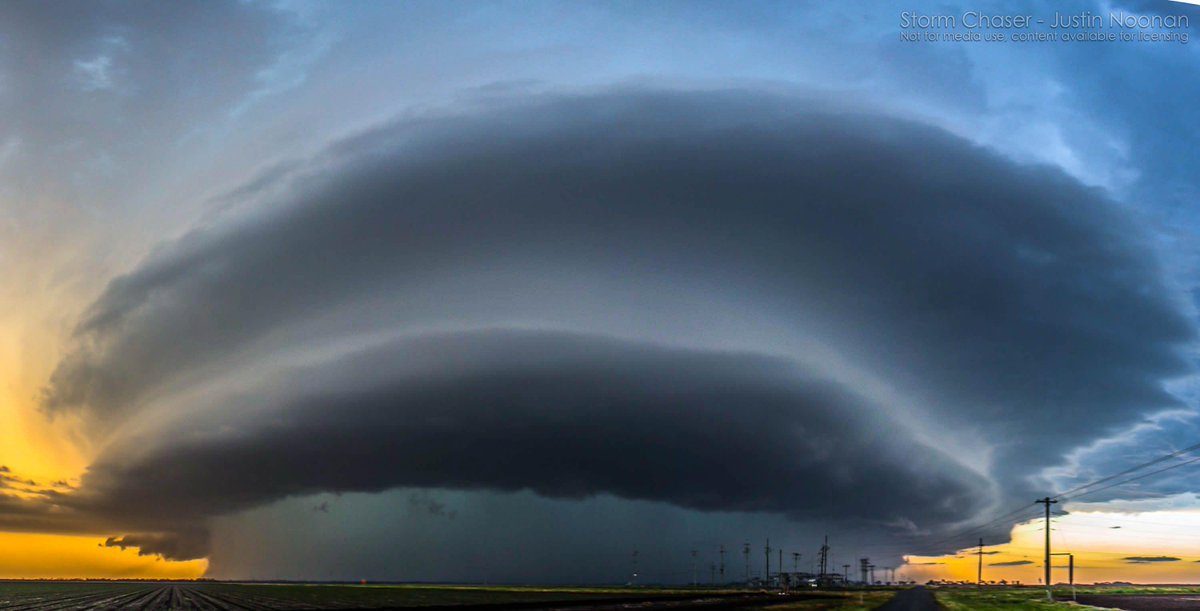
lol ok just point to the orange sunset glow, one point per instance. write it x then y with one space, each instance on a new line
1154 547
597 300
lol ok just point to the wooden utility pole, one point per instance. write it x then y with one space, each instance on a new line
1047 502
979 576
824 564
633 574
767 570
1070 569
746 553
722 552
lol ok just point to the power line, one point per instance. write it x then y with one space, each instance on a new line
1133 529
1023 509
1077 491
1073 493
1150 463
1134 479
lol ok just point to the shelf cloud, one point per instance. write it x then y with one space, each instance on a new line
721 300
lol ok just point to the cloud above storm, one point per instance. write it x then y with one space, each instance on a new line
698 298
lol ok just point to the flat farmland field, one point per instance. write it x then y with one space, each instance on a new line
1003 599
1129 598
1143 601
221 596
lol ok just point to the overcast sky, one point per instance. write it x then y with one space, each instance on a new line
507 291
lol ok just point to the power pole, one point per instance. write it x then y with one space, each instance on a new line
979 575
1047 502
824 564
767 569
722 552
694 581
781 564
1070 569
1071 572
795 562
863 563
746 553
872 569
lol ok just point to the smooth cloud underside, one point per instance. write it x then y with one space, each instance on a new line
632 284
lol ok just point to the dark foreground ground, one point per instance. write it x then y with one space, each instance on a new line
916 599
1135 602
151 596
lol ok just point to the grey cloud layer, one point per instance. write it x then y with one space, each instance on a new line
1001 299
565 416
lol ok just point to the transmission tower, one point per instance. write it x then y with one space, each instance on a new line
746 553
823 563
767 569
694 579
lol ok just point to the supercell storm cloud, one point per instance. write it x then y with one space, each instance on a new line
703 298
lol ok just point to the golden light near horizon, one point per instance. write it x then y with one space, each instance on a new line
47 450
38 556
415 292
1152 547
34 328
48 556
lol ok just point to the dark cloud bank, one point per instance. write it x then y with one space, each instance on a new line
1012 563
537 270
1150 559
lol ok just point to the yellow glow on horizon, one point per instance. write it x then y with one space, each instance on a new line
35 320
36 556
32 444
1103 544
